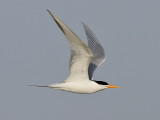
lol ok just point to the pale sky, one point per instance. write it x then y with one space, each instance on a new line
33 50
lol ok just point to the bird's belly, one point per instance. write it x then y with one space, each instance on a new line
81 88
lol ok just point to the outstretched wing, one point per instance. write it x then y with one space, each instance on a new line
80 53
97 51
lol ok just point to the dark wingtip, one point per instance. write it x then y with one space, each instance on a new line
83 24
48 10
56 20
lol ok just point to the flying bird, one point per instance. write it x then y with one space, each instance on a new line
83 62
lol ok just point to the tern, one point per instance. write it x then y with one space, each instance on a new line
83 62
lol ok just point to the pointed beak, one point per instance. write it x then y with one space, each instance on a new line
112 86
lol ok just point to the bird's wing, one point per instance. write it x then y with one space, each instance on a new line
80 53
97 50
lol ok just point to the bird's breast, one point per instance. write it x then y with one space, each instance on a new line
82 87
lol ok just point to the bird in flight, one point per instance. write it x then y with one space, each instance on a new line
83 62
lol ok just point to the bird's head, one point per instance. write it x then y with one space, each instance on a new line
105 84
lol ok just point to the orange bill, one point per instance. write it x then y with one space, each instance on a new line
112 86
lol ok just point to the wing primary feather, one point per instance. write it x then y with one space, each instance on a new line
96 48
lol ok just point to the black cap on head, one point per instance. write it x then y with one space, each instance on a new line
101 82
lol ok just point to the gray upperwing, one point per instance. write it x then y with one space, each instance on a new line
81 55
97 51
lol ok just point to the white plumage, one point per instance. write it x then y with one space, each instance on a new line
83 62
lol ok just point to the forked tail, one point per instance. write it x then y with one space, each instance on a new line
39 85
